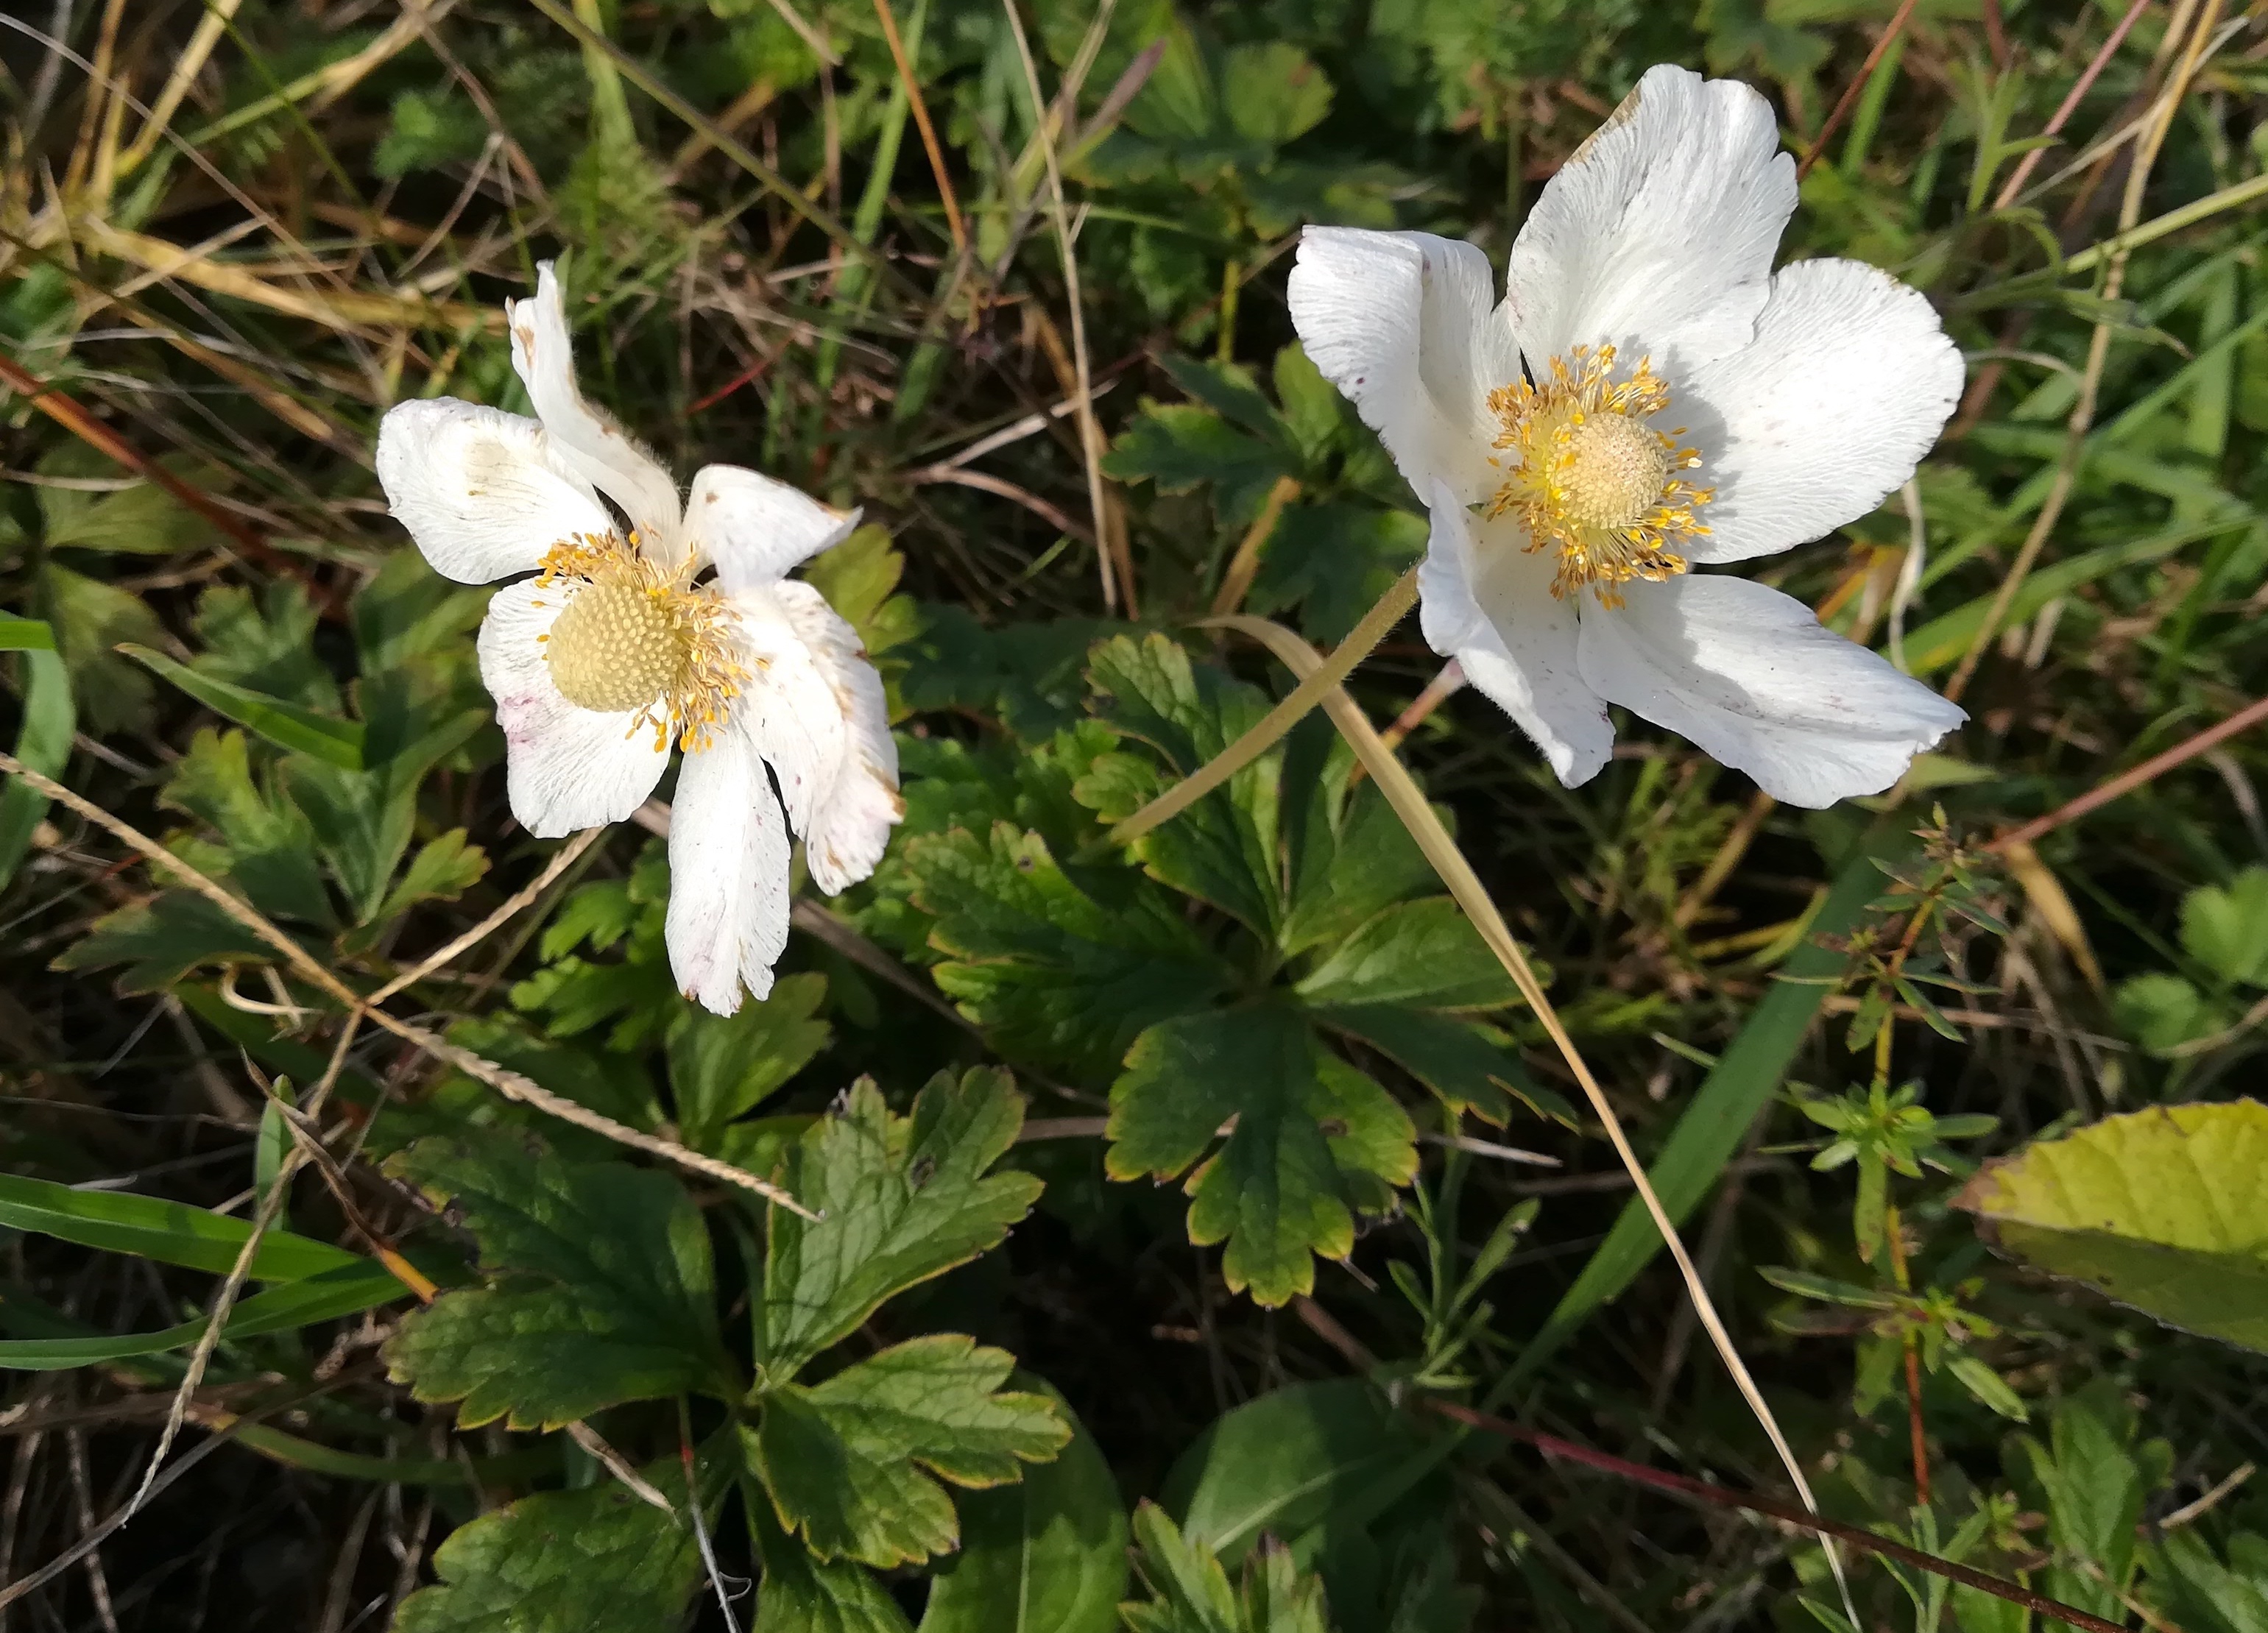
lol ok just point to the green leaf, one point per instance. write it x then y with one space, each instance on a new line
2227 929
1283 1464
171 1233
1315 1140
2161 1209
1055 975
2162 1011
91 620
803 1594
1273 92
326 1296
271 851
1468 1066
161 939
142 518
1223 849
857 577
287 725
409 614
601 1287
1191 1592
1351 856
848 1464
1423 954
1045 1556
600 1560
722 1067
443 869
43 741
428 129
1989 1387
902 1199
1180 446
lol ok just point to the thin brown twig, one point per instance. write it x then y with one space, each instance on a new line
2127 781
65 411
2070 104
920 110
1787 1513
1851 93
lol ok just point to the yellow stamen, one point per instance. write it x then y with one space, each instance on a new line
635 639
1593 480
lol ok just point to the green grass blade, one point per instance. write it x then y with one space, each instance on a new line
348 1291
153 1228
287 725
25 635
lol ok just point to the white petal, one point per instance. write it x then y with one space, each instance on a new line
480 490
728 875
565 768
1658 235
1400 322
1487 602
1748 675
850 821
1849 380
756 529
580 432
787 707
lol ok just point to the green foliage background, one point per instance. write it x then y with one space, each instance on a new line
1166 1188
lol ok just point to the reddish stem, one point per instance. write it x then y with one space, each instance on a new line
1787 1514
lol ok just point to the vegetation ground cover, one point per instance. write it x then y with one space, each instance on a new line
1208 1233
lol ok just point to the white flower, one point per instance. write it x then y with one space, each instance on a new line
623 641
1682 406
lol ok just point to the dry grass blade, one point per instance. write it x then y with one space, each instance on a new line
1416 814
1117 568
564 858
1314 687
511 1083
919 107
2158 122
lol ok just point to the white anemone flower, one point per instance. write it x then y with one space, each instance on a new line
1682 406
673 622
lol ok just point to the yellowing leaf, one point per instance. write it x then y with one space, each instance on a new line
2165 1210
900 1199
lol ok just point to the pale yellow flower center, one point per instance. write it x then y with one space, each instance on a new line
635 639
1591 478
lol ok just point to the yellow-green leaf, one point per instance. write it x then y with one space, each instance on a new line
2165 1210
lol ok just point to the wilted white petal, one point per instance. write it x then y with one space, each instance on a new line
1402 323
851 819
1487 602
580 432
757 530
728 875
1658 236
1847 384
1750 677
565 768
787 705
481 492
